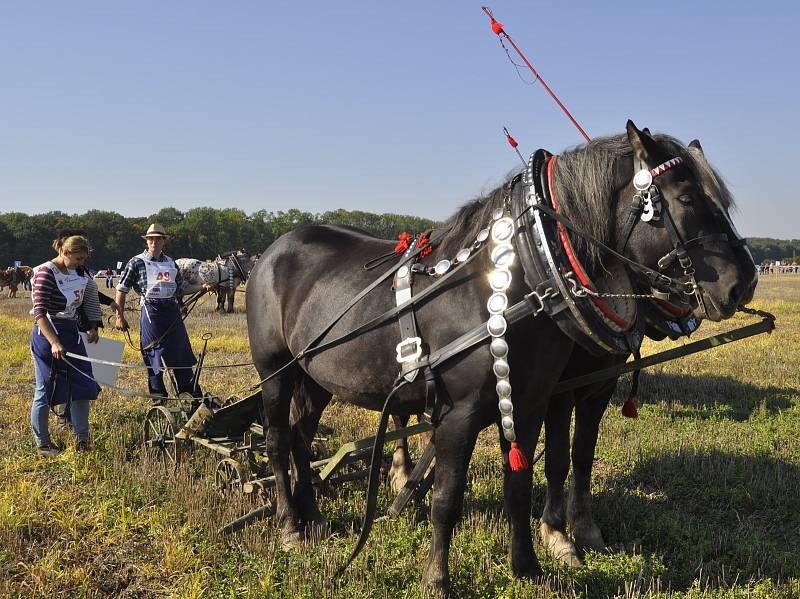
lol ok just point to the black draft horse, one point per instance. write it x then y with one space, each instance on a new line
590 403
300 284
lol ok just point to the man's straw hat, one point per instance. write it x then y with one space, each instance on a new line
155 230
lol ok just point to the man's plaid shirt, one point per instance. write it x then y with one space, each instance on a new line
134 276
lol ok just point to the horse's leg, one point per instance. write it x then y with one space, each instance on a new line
517 492
277 396
553 524
530 411
455 440
588 413
310 400
220 301
401 460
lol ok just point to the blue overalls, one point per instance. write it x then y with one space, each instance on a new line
162 334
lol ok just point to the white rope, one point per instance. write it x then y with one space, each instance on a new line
142 367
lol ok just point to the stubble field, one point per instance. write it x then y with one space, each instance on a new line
699 497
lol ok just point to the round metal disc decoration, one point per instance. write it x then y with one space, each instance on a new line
462 255
483 235
402 272
442 266
496 325
498 348
503 229
505 406
507 422
503 255
501 368
503 388
497 213
500 280
642 180
497 303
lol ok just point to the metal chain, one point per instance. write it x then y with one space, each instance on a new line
580 290
755 312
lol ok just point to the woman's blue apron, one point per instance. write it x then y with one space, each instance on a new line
63 382
158 318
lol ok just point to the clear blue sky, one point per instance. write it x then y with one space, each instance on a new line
379 106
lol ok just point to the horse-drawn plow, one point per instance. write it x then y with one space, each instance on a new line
233 430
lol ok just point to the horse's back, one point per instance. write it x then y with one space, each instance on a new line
307 276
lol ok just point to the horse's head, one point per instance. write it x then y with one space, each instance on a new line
685 230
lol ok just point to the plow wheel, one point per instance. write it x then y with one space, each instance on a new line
229 477
160 444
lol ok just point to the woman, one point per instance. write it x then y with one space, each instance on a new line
162 334
57 293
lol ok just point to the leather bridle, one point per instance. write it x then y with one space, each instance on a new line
649 206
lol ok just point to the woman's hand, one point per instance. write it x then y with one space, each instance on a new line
92 336
57 350
121 324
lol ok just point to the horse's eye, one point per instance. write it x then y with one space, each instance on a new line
686 198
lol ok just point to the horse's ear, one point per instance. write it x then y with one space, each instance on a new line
695 143
644 146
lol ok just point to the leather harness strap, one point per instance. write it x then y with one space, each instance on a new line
409 349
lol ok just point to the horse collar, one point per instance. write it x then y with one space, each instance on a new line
548 259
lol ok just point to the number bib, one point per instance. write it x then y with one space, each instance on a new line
71 285
160 279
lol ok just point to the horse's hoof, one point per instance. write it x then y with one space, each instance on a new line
590 538
318 531
398 480
291 541
432 590
559 545
524 563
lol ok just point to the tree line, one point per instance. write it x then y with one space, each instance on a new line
197 233
766 249
205 232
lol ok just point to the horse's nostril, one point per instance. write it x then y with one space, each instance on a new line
737 293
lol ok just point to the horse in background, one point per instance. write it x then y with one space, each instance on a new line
13 277
228 271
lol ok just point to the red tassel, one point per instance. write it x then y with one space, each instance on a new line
516 458
629 408
497 27
402 245
424 244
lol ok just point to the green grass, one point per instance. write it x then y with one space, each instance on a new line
699 498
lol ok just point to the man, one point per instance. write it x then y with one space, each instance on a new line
13 281
162 334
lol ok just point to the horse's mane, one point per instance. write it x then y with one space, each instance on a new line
473 216
584 181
